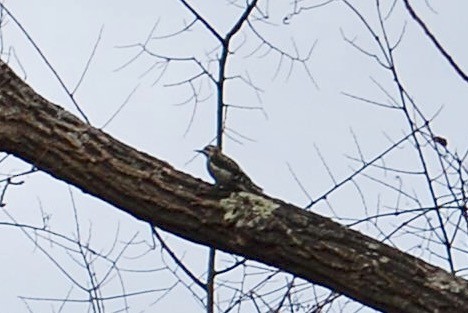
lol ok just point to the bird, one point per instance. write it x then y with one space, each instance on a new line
226 172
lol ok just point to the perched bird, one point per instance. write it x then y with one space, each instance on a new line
226 172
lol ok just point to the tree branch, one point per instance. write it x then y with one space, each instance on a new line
434 40
257 227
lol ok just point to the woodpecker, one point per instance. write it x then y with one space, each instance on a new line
226 172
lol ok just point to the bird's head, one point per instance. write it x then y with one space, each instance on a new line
209 151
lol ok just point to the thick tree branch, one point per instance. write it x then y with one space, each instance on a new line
257 227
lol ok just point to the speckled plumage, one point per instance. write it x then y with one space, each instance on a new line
226 172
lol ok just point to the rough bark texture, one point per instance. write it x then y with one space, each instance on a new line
257 227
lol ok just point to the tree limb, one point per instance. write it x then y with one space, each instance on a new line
257 227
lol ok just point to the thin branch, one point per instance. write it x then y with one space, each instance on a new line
434 40
46 61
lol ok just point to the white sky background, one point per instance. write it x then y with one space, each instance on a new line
299 117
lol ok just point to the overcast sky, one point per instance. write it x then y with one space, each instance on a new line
297 115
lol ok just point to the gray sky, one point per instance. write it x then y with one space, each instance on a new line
299 116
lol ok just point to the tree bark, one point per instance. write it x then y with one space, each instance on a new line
255 226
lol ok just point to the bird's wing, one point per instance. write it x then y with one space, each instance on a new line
223 161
